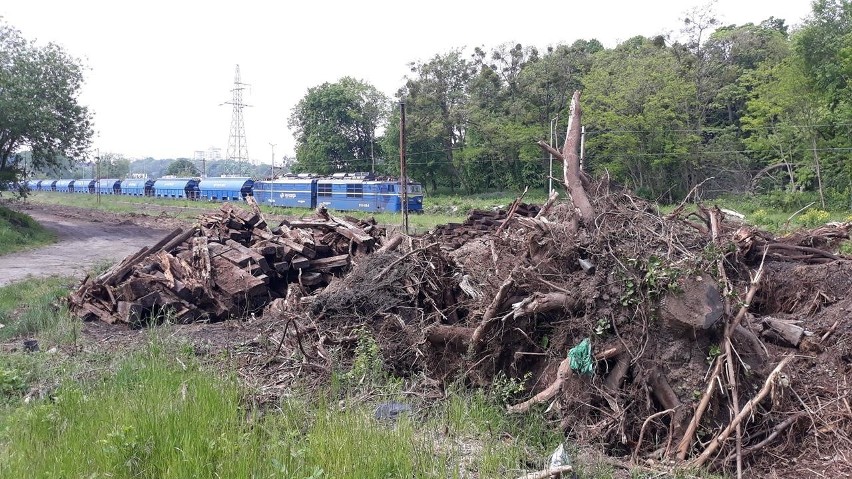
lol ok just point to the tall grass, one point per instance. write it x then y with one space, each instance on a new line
32 306
160 414
18 232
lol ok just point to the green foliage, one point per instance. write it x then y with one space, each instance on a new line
182 167
158 413
19 231
368 363
505 389
814 217
39 89
335 127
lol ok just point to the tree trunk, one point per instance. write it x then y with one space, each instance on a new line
571 165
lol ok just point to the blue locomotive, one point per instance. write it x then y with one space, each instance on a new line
341 191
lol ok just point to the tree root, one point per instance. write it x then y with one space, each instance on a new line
744 412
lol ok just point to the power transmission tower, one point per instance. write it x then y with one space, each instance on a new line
237 146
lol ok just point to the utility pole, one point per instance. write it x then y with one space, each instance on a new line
98 176
372 155
403 179
273 159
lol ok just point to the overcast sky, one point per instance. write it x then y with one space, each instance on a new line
159 70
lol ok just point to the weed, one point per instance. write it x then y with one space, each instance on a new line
814 217
367 365
504 389
32 306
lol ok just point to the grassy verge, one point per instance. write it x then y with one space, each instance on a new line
160 413
18 232
32 306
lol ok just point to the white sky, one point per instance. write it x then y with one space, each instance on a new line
160 69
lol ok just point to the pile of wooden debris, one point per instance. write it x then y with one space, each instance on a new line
228 265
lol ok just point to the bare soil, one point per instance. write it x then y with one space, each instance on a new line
86 238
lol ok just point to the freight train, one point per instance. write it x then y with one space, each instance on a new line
341 191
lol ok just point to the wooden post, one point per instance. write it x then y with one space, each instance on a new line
403 176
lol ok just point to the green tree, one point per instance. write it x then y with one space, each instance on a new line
182 167
636 106
113 165
436 98
39 108
335 126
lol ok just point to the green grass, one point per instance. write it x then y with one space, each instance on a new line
19 232
33 306
160 413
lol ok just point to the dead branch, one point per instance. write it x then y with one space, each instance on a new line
476 339
545 209
745 412
771 437
545 473
512 210
686 441
389 267
642 430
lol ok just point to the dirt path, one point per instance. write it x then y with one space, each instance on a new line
85 238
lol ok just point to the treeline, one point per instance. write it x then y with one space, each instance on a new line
112 165
737 107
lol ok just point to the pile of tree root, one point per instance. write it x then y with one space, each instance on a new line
712 344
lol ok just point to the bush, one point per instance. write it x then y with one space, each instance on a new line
814 217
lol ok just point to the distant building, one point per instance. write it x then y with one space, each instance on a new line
210 154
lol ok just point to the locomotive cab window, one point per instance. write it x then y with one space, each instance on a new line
324 189
354 191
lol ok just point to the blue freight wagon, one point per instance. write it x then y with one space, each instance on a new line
64 186
108 186
176 188
84 186
292 192
34 185
137 187
225 189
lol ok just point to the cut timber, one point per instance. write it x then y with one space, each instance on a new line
326 264
130 313
310 279
234 281
351 231
300 262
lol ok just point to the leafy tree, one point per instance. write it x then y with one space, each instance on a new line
335 126
436 98
39 110
636 102
113 165
182 167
